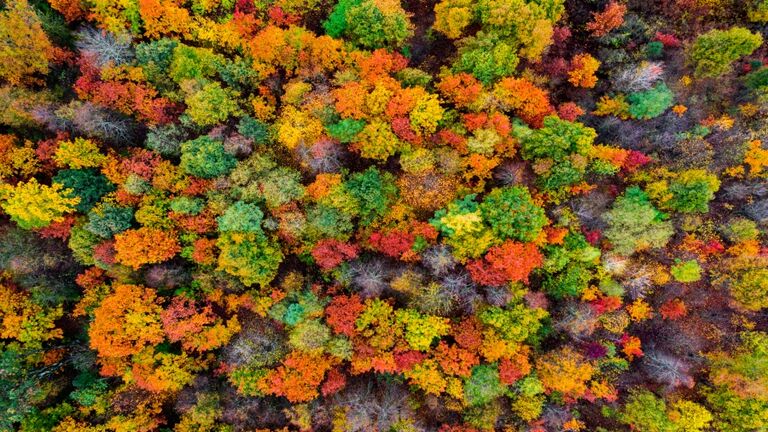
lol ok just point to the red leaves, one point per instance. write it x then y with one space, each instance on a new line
673 310
341 313
127 97
334 381
512 369
510 262
329 253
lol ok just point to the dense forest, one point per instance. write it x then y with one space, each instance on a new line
383 215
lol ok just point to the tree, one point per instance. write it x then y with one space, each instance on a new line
251 257
32 205
692 190
369 24
644 411
582 73
205 157
512 214
525 99
634 224
126 321
24 47
241 217
713 53
483 386
144 245
509 262
565 371
212 104
87 185
650 103
106 220
373 192
610 18
80 153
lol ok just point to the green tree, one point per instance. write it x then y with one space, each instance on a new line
369 26
106 220
713 53
242 217
253 258
692 190
212 104
205 157
646 412
89 185
483 386
650 103
511 213
635 224
373 192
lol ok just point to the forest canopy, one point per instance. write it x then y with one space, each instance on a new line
383 215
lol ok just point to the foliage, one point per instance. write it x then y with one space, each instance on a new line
650 103
634 224
32 205
205 157
713 53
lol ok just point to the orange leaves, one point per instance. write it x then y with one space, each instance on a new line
350 100
527 101
164 17
197 328
673 309
299 376
631 346
582 73
455 360
137 247
610 18
509 262
126 321
462 89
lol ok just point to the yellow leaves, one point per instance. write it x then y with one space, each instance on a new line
80 153
679 110
427 114
616 106
452 17
24 47
565 371
427 377
376 101
164 17
757 159
32 205
25 321
639 310
378 141
296 127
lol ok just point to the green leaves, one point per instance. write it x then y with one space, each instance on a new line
713 52
205 157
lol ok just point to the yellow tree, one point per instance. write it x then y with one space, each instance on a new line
24 46
32 205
